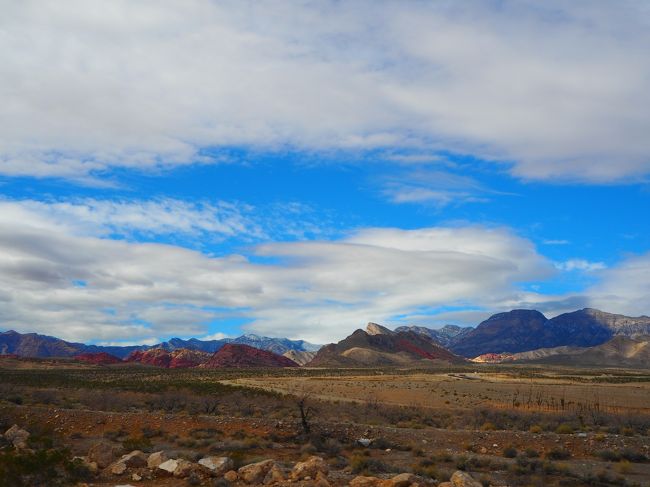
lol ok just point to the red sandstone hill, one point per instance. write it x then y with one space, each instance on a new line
176 359
237 355
101 358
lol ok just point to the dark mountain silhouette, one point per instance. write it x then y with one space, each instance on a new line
524 330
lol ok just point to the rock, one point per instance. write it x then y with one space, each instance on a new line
231 476
401 480
217 465
155 459
362 481
322 481
136 478
169 465
183 469
17 436
134 459
364 442
309 468
275 475
118 468
91 466
463 479
102 454
255 472
445 484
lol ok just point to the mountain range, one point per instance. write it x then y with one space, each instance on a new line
35 345
569 337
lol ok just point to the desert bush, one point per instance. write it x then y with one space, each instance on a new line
510 452
558 453
564 429
365 464
51 467
137 443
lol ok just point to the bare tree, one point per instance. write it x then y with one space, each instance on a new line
306 412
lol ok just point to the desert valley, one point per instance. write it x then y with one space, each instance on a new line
410 406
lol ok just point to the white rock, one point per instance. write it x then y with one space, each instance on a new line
169 466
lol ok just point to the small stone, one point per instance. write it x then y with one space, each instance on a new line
183 469
136 478
364 442
155 459
17 436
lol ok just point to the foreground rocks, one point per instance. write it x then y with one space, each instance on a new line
17 437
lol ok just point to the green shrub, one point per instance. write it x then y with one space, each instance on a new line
564 429
510 452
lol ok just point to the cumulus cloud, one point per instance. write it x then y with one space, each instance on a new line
83 287
559 89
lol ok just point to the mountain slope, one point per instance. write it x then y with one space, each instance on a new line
362 349
524 330
301 358
175 359
446 336
238 355
620 351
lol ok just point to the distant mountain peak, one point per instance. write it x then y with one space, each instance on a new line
375 329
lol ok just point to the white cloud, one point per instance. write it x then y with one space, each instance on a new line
625 288
580 265
179 220
215 336
559 88
316 290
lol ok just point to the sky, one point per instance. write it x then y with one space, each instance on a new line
296 169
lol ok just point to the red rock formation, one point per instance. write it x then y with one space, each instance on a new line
176 359
101 358
236 355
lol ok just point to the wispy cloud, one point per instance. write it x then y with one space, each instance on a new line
580 265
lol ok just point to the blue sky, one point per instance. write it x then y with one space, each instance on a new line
209 168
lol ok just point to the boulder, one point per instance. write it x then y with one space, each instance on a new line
102 454
401 480
309 468
275 475
90 466
364 442
255 472
118 468
463 479
231 476
136 478
134 459
17 436
183 469
217 465
322 481
155 459
362 481
168 465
